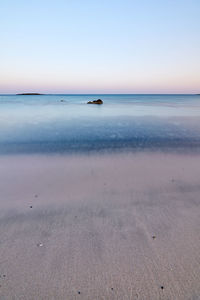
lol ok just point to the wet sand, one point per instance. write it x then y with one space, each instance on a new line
112 226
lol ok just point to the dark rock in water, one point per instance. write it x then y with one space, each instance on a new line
99 101
32 94
62 100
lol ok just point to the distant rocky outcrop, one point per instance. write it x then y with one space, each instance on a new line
99 101
32 94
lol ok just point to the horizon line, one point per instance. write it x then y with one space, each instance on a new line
43 94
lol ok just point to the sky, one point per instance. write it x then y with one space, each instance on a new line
107 46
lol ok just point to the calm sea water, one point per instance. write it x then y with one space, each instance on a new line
44 123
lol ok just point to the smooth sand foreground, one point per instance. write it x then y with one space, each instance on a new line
115 226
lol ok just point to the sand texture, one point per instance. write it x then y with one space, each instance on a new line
115 226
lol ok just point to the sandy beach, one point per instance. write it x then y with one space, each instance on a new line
110 226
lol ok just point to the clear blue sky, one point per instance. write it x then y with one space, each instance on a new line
107 46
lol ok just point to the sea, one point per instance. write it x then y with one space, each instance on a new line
65 123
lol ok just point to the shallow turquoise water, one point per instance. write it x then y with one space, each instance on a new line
45 124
